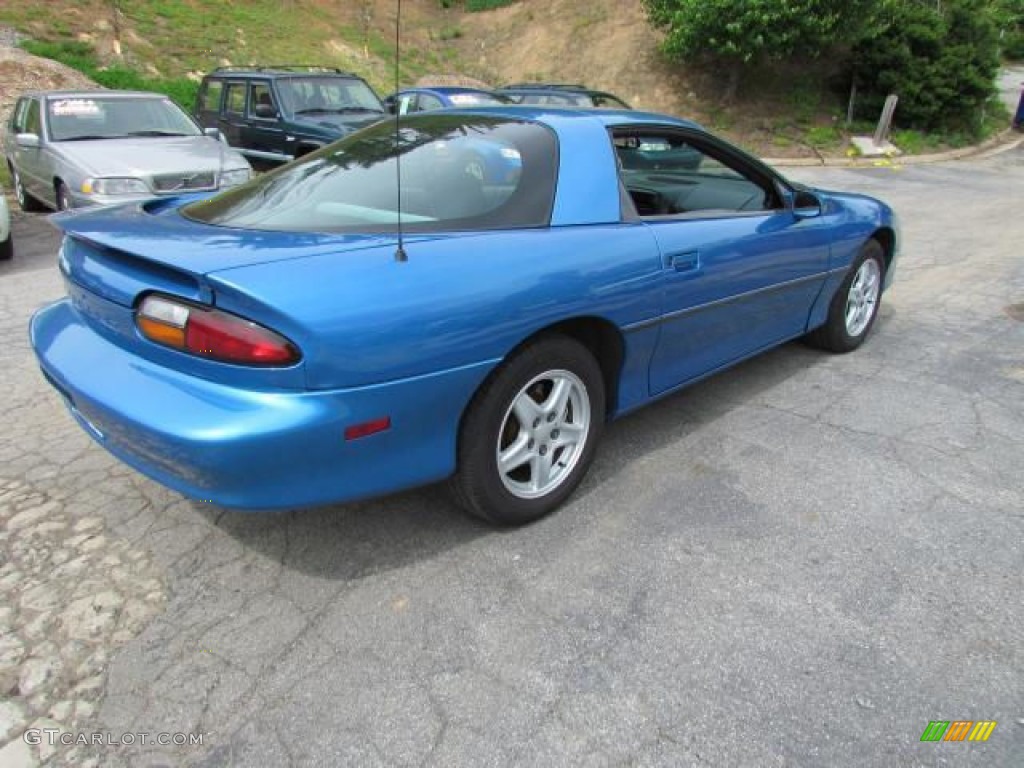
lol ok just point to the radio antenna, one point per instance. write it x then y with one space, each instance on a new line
400 254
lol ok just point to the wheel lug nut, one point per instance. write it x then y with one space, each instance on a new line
551 417
536 423
543 450
554 434
530 444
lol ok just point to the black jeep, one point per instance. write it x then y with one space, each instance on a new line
273 114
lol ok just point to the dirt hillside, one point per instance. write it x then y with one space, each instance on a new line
20 72
606 44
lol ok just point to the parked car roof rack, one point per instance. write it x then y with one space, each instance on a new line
567 86
283 68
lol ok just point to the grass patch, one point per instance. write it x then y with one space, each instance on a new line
81 56
486 5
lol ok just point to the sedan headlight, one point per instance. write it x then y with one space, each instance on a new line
234 177
115 187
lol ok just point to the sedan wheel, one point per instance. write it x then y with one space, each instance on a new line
63 197
530 433
25 201
855 305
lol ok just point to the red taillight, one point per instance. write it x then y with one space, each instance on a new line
212 333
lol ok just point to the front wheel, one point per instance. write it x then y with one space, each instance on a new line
855 305
62 196
530 433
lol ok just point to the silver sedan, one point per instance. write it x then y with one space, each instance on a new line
76 149
6 240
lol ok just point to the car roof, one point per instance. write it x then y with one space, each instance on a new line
446 90
90 94
554 115
278 71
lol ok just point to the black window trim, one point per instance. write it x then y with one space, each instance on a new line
249 105
228 85
748 166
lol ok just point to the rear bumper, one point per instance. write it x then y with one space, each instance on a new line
251 449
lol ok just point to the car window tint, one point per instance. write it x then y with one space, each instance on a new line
428 102
458 173
96 117
234 102
33 122
326 94
260 98
210 98
668 174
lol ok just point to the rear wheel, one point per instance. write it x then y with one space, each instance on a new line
7 248
530 433
855 305
25 201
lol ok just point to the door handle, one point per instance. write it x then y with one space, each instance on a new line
685 262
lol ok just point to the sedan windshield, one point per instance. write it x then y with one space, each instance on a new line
458 172
310 95
99 117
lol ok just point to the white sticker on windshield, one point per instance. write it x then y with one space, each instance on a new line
77 107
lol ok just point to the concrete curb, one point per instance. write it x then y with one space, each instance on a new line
1003 142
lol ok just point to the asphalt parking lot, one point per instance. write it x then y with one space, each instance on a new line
800 562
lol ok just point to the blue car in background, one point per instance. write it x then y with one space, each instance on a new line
411 100
320 334
480 159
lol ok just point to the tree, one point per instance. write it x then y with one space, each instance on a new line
941 60
747 33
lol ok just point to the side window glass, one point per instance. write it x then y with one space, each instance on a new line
427 102
261 101
234 101
666 174
33 124
210 100
18 116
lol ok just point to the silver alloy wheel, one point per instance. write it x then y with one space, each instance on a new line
19 190
863 297
543 434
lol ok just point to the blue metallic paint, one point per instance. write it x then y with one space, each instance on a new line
414 340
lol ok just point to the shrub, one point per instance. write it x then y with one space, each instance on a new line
940 62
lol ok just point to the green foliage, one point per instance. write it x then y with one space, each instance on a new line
941 62
486 5
755 31
1009 17
80 56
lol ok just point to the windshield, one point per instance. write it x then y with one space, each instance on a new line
475 99
459 172
96 117
309 95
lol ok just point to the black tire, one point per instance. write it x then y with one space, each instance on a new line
7 248
26 202
479 486
836 335
61 196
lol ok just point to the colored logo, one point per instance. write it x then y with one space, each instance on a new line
958 730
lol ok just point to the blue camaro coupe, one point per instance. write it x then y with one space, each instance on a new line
325 333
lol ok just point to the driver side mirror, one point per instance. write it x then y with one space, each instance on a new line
806 205
27 140
266 111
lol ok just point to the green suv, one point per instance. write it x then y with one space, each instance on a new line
274 114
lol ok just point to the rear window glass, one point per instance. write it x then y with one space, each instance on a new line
458 172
